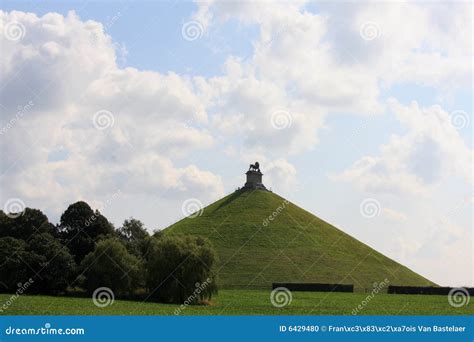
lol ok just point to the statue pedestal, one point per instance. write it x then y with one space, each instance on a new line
254 180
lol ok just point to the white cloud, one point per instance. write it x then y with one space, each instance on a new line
67 68
431 151
444 243
422 43
281 175
297 66
315 64
245 108
394 215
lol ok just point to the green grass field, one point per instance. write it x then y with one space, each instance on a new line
245 302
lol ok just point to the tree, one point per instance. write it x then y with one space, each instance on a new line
80 228
31 221
53 263
132 230
180 269
43 259
14 260
135 237
111 265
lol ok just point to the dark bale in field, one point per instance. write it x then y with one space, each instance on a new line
425 290
315 287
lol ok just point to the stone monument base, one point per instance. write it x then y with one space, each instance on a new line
254 180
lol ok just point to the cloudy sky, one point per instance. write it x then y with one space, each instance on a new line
358 112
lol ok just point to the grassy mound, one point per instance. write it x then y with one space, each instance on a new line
262 238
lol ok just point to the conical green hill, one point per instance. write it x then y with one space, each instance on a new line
292 246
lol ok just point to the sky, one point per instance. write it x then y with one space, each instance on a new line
359 112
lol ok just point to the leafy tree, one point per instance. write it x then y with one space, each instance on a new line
135 237
132 230
14 260
53 263
43 259
180 268
80 227
111 265
31 221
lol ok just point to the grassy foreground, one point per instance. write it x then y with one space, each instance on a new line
245 302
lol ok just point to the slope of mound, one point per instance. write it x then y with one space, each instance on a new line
262 238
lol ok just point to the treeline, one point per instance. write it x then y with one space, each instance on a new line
84 252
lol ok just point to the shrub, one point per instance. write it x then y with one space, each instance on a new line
178 267
111 265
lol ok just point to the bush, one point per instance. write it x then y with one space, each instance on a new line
179 269
111 265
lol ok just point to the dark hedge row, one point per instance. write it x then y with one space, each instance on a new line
425 290
315 287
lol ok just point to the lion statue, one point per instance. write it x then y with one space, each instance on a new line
254 167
